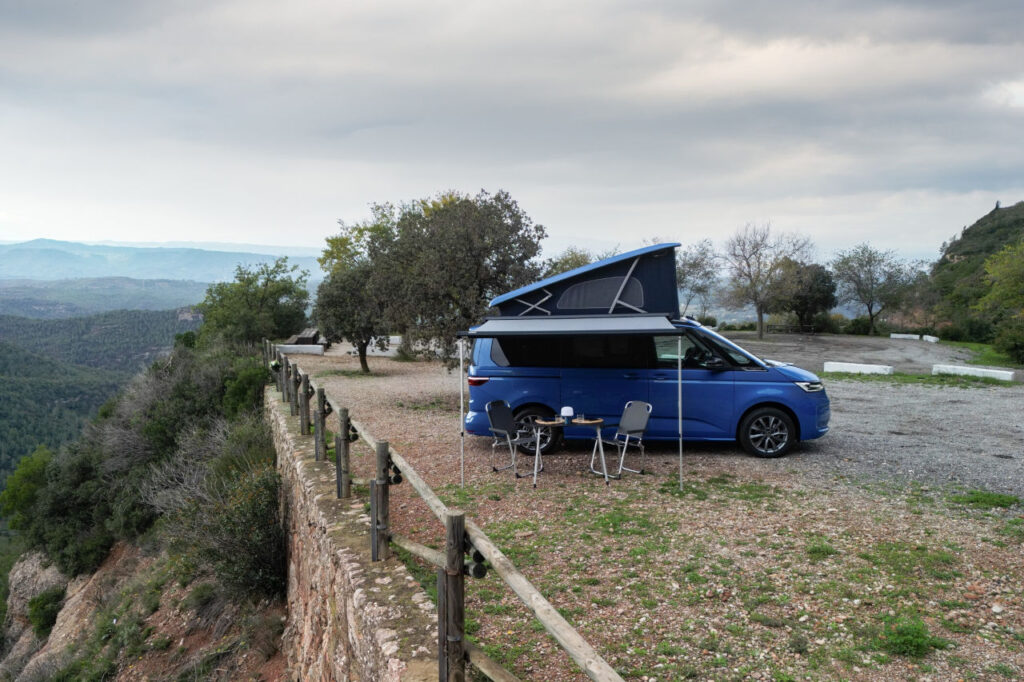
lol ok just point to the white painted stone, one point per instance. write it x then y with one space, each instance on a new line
912 337
929 339
301 349
857 368
1001 374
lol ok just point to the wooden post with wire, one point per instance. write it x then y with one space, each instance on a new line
319 426
380 498
304 395
454 597
343 478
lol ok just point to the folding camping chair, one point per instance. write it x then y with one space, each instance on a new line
630 431
503 428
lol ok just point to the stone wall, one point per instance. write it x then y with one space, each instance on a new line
348 618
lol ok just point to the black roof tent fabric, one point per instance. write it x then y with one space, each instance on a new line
642 281
573 325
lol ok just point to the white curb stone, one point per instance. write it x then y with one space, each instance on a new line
1000 374
857 368
301 349
929 339
912 337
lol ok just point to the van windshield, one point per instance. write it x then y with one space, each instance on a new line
729 350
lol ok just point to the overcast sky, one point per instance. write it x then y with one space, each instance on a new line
609 122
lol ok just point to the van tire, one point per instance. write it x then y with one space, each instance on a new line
767 432
550 437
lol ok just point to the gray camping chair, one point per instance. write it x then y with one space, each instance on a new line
503 428
630 431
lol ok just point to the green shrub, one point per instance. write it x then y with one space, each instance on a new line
234 532
828 324
860 326
1010 339
200 596
909 637
244 391
983 499
43 609
708 320
969 329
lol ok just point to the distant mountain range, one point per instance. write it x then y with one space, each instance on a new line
48 259
63 298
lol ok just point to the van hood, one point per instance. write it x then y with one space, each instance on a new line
795 373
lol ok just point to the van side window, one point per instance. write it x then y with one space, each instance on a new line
608 352
527 351
695 351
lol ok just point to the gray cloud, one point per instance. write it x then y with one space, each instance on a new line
230 118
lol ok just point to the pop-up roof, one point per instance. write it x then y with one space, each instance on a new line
640 281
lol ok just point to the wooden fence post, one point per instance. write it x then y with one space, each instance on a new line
343 477
455 595
294 387
286 380
280 372
319 422
442 631
380 498
304 404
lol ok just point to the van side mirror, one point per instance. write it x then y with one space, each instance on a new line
714 363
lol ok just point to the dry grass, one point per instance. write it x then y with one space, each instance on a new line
750 572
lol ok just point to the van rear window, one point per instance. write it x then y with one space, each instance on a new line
527 351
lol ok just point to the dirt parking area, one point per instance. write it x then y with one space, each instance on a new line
811 351
806 567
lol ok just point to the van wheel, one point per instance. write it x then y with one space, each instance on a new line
550 436
767 432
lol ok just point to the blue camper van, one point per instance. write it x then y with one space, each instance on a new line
727 393
604 334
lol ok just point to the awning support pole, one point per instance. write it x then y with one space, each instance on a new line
462 414
679 402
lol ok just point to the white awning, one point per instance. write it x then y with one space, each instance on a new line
595 324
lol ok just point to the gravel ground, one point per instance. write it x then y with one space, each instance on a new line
759 569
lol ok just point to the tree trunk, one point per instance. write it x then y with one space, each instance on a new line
760 322
361 347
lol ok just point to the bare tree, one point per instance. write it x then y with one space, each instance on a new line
877 280
754 257
696 275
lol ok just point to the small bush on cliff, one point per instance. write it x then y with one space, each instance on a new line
43 609
219 499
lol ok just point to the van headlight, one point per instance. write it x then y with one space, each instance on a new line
810 386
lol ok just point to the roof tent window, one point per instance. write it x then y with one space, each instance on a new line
601 294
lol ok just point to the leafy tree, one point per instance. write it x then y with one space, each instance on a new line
875 279
445 260
573 257
1004 271
804 289
754 257
697 275
348 309
350 246
268 301
22 487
